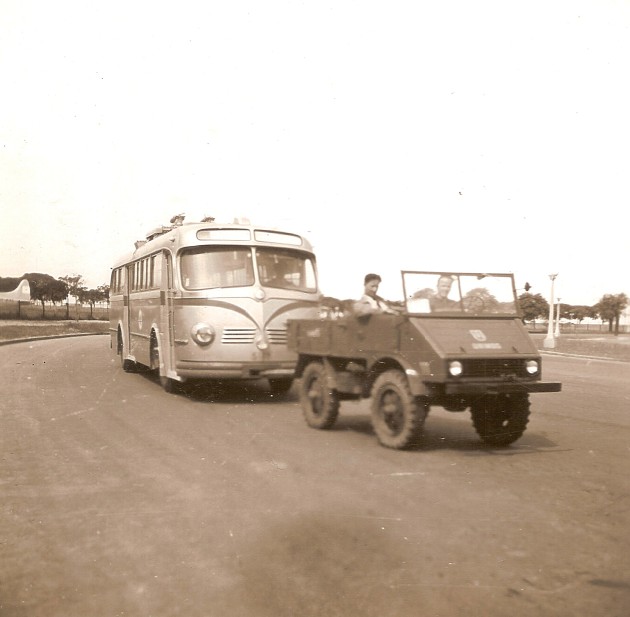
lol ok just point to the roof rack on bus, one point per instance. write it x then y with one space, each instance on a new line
178 221
158 231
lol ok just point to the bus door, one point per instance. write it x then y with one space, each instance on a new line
126 310
167 318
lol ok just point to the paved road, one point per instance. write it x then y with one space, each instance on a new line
118 499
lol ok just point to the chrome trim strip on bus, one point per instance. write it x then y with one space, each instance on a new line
289 307
230 306
216 303
140 335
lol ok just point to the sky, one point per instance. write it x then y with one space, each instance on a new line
399 135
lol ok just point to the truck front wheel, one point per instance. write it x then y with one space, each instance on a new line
320 402
500 420
397 416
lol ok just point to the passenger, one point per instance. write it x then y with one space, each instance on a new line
440 300
370 303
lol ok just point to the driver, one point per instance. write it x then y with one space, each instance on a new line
440 300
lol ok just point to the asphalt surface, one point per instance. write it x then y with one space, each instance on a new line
119 499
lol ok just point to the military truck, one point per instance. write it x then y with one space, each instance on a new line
457 341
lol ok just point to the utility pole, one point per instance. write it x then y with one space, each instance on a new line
558 320
549 342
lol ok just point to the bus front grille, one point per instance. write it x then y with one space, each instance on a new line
235 336
277 336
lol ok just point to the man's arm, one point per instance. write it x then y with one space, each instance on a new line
364 307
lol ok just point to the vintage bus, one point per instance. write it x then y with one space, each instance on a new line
206 300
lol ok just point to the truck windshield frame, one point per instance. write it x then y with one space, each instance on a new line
459 293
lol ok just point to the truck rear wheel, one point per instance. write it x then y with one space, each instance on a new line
500 420
320 403
397 416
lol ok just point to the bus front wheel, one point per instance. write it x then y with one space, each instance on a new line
169 385
129 366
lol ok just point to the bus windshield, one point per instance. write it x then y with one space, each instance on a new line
211 267
286 269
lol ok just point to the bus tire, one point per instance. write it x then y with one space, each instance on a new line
320 403
171 386
129 366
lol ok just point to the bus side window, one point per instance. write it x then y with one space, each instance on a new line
156 271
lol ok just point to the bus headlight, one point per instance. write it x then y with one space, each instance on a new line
202 334
531 366
455 368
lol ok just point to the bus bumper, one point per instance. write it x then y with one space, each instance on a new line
233 370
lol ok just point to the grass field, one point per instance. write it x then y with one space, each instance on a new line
601 345
12 329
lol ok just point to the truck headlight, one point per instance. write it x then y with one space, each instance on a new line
531 366
202 333
455 368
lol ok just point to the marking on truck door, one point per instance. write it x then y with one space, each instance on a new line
478 335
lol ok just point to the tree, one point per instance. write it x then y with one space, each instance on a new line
8 283
533 306
480 299
91 297
610 307
75 286
578 311
104 291
45 288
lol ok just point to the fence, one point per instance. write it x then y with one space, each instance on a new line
56 312
570 328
